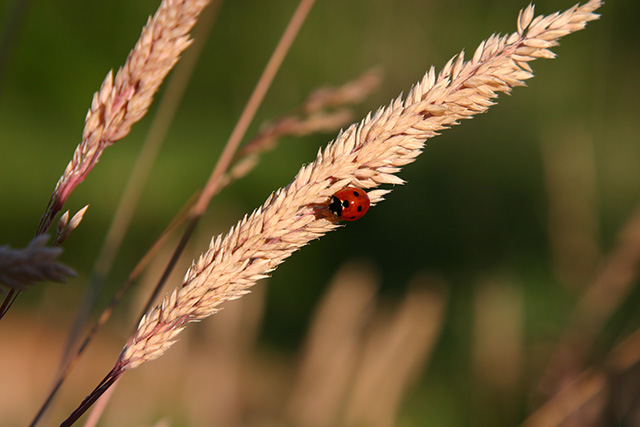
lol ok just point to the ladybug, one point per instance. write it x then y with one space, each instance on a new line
349 204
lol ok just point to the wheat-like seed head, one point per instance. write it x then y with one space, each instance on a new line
367 155
20 268
122 101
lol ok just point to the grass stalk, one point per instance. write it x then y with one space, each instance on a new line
368 155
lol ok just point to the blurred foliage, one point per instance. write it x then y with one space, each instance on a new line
475 206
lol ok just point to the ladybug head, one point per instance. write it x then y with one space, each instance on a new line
336 206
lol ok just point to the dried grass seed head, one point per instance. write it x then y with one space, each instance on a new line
366 155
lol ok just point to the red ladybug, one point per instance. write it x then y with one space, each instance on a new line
350 203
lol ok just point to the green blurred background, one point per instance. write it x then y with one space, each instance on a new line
477 202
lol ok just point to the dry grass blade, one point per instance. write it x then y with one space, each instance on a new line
368 155
350 93
569 162
314 115
568 406
216 178
311 117
498 335
332 347
394 353
35 263
613 282
122 101
597 396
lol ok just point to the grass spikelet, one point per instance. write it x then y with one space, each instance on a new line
125 99
20 268
368 154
